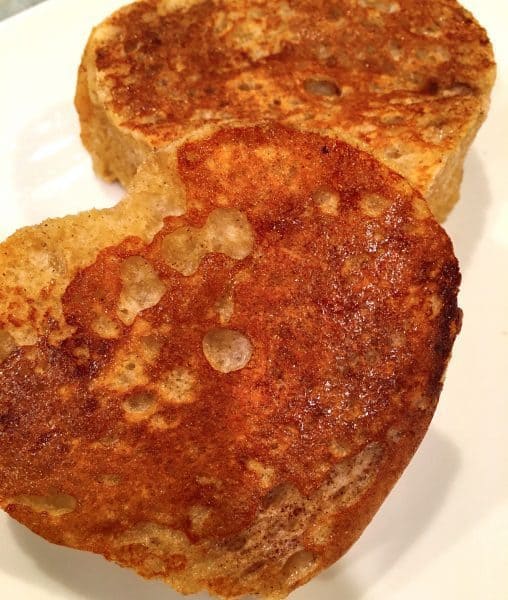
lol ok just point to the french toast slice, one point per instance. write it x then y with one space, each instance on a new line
218 381
407 80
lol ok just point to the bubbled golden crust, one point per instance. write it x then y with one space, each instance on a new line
407 80
119 435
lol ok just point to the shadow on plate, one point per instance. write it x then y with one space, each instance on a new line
467 221
52 172
87 575
92 577
407 513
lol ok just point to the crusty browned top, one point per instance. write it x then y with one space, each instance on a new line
405 79
346 292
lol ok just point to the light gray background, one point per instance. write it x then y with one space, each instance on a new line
11 7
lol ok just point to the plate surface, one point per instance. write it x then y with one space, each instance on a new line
443 532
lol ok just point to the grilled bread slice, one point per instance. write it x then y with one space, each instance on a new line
218 381
406 80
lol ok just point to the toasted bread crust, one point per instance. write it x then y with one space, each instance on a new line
122 434
408 81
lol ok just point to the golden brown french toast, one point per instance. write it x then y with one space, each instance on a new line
218 381
406 80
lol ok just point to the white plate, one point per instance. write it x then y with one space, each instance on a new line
443 532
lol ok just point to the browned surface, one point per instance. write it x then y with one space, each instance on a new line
408 81
347 294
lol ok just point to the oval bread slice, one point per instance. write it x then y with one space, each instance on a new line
407 80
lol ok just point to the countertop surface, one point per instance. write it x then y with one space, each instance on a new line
11 7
